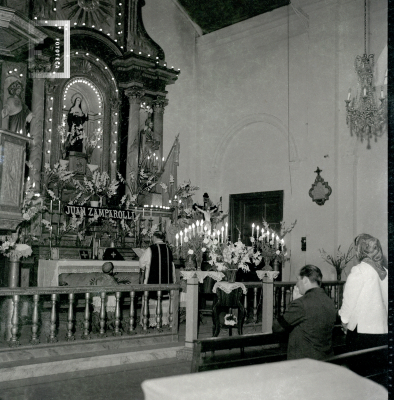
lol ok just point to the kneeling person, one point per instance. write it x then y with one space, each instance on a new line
310 319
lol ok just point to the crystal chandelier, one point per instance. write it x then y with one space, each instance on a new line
366 119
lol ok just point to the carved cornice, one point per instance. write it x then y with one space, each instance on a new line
17 33
135 94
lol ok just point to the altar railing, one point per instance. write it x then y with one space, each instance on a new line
67 300
283 294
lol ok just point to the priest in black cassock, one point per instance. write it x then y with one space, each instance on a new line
157 262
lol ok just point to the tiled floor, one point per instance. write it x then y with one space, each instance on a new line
120 383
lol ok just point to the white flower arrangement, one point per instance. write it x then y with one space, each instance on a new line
230 319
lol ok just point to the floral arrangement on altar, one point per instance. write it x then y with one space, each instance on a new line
192 249
339 260
10 248
100 185
231 255
269 245
57 178
91 142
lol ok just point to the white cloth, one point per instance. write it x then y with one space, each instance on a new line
269 274
228 287
145 261
365 301
201 275
110 303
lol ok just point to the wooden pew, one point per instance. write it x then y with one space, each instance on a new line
261 348
370 363
275 347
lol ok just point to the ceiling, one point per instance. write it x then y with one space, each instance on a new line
212 15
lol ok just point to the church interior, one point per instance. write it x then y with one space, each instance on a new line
257 128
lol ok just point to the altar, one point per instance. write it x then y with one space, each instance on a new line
49 270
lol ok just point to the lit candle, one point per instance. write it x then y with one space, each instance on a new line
226 231
252 229
151 210
180 235
143 212
198 226
176 238
381 93
213 235
349 95
257 231
193 228
205 228
222 234
365 92
202 222
185 232
262 233
277 241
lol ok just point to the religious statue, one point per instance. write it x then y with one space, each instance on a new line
75 121
148 144
16 110
207 210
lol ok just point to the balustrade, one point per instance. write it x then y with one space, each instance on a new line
79 298
283 294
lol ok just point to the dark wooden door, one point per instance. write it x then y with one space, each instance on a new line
249 208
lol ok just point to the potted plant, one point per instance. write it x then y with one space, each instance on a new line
339 260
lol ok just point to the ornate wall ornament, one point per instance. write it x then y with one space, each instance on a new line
320 190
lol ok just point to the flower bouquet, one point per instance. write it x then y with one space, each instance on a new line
91 142
229 257
339 260
230 319
13 250
191 250
100 185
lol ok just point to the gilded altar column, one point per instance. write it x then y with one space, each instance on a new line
158 114
135 95
37 130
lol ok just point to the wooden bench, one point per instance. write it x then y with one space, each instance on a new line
261 348
257 345
370 363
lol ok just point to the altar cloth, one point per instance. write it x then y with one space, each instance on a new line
296 379
49 270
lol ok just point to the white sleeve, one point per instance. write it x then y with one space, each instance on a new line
144 262
353 287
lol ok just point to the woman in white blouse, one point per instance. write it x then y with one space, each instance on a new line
364 311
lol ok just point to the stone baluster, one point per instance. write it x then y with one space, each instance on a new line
170 310
132 313
14 322
159 311
291 293
70 318
283 300
86 323
255 304
246 307
145 312
117 331
34 327
102 315
52 333
134 95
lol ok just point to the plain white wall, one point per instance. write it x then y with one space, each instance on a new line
260 105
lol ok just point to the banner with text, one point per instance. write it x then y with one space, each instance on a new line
91 212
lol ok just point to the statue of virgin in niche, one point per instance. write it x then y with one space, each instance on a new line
75 121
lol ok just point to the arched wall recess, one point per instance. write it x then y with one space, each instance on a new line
249 120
